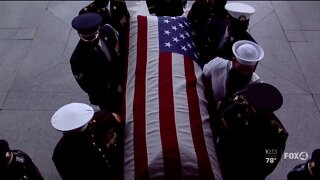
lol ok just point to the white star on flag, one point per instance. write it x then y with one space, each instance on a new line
175 39
184 48
174 27
182 36
167 32
168 44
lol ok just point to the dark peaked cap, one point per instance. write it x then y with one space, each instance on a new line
87 23
264 97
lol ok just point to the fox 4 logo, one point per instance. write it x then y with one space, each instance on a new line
296 155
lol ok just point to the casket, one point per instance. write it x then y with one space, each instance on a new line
167 125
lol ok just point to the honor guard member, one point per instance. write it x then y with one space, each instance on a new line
218 36
16 164
100 7
90 145
250 138
309 170
120 21
120 16
95 62
203 11
166 7
237 28
208 19
114 12
227 77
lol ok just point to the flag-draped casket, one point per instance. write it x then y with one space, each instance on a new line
167 130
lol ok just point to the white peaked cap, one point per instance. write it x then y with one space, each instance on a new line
247 52
72 116
239 11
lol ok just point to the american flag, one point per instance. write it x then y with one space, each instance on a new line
167 129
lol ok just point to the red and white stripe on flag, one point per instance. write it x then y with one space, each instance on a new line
167 132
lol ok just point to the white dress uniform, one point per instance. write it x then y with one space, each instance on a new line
217 70
246 52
